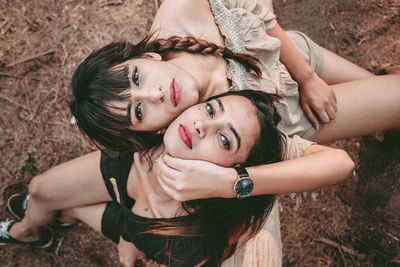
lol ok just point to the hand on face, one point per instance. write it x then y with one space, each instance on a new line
221 131
207 138
193 179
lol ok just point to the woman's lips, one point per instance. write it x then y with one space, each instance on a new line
185 135
174 93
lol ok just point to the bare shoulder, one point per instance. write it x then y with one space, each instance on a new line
183 17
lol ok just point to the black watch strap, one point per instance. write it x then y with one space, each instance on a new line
241 171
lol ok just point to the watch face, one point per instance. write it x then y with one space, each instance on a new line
244 187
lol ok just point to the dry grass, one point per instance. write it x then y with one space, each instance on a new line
42 42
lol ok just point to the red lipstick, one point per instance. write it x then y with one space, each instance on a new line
185 135
174 93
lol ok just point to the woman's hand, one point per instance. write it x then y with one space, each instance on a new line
128 253
317 100
194 179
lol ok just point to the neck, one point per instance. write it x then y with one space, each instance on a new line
209 72
154 186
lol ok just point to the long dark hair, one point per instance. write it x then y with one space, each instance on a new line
226 221
95 83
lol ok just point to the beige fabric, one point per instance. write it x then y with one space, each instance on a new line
265 249
244 23
296 146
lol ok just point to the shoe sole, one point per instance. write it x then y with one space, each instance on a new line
48 244
9 206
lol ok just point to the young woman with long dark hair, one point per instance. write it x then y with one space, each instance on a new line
201 232
226 45
167 71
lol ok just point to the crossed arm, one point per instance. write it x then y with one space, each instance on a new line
318 100
320 166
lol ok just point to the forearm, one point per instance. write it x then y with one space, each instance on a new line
291 57
309 172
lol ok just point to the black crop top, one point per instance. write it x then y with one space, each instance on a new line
164 249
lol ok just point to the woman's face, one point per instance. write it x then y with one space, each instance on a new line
159 91
221 131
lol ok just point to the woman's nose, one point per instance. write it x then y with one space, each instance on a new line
202 127
153 95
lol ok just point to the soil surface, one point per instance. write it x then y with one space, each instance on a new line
356 223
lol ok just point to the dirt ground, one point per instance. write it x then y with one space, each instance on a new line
356 223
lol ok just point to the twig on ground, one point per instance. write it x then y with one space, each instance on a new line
59 246
17 76
112 3
338 246
392 236
65 55
7 26
156 4
342 256
31 58
15 103
3 23
10 75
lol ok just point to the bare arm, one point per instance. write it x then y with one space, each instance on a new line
291 57
317 98
320 166
190 179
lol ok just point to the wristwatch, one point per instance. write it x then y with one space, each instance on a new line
243 185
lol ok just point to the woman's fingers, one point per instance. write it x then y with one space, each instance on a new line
176 163
165 169
168 186
128 253
171 181
331 112
310 114
323 116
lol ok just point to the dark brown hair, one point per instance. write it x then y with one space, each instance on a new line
226 221
95 83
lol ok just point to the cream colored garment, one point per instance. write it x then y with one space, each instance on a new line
244 24
265 249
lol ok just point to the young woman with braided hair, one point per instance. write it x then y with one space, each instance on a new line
218 62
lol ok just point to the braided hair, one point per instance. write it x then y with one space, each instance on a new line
96 82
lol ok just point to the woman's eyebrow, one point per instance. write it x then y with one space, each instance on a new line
129 107
236 135
233 130
221 106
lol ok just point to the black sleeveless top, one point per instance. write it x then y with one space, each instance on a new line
118 220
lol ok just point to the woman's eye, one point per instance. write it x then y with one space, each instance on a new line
138 111
135 76
210 110
225 142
